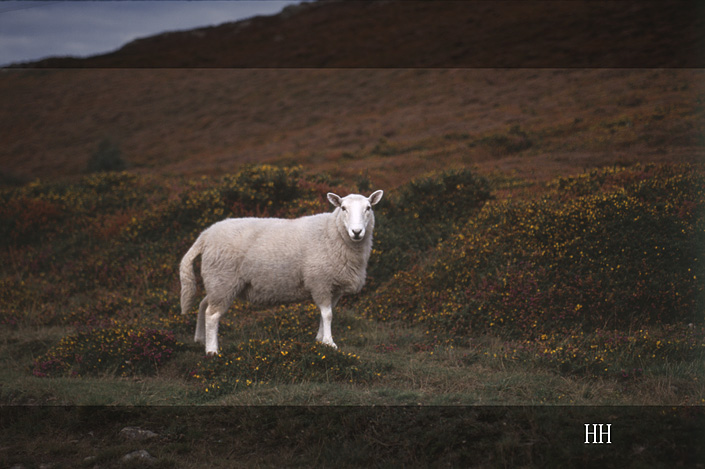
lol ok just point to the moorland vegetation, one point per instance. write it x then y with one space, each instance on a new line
592 278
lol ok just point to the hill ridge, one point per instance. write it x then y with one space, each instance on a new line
429 34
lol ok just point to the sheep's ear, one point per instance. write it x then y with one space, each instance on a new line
375 197
334 199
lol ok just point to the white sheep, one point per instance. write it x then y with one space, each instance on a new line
269 261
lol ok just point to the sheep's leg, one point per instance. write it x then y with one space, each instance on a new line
220 296
321 326
200 335
212 319
319 336
324 331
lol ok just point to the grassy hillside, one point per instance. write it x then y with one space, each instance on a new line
594 279
584 290
538 256
392 125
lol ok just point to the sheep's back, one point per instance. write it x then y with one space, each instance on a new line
267 256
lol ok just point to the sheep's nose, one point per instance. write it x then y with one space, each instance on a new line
356 233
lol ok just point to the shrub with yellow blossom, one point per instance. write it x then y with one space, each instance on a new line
118 349
617 249
259 361
600 273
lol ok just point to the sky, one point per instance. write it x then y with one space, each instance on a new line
33 30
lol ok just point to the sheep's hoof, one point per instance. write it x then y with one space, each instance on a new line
329 343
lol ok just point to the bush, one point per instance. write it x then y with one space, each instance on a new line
420 215
27 220
619 249
108 157
572 272
115 350
261 191
282 350
41 211
259 361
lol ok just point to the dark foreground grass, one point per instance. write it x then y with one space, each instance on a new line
401 436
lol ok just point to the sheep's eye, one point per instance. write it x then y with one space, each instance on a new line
367 209
343 209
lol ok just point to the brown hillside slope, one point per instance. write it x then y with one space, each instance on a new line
392 124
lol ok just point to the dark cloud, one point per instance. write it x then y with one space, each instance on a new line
35 30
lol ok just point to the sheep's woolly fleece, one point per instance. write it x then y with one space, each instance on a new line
272 260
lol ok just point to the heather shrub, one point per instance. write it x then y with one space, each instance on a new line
619 249
264 189
93 194
259 361
600 273
44 211
297 321
117 349
419 215
101 312
27 220
254 191
280 348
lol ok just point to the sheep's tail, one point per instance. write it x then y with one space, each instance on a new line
188 276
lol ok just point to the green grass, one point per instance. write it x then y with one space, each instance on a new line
475 374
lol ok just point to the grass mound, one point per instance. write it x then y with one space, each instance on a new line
258 361
421 214
118 350
613 250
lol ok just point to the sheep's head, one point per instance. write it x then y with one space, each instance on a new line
356 212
